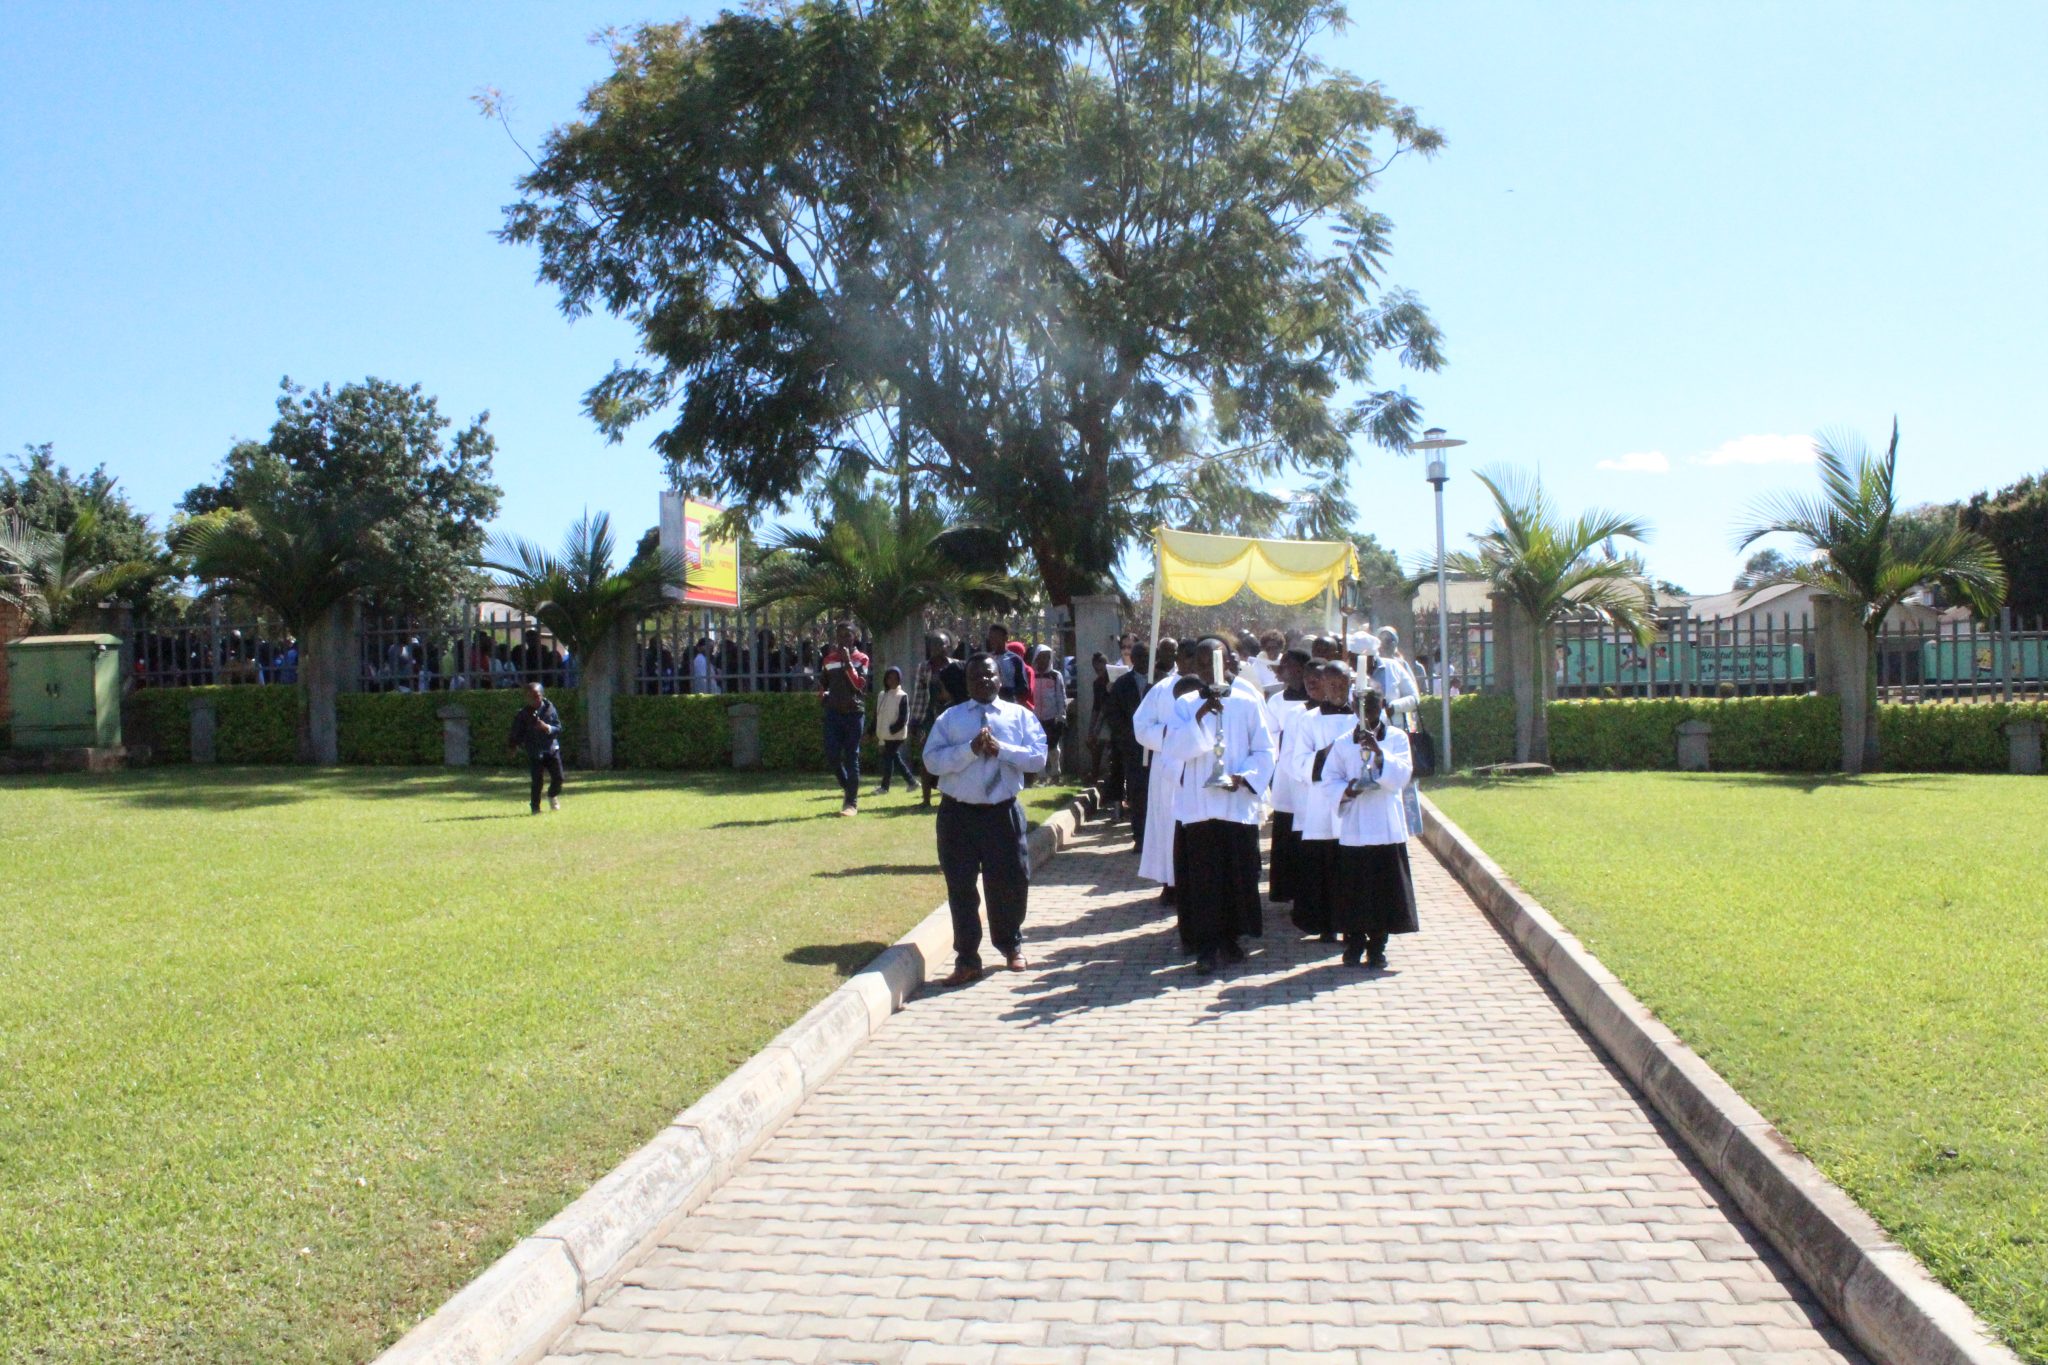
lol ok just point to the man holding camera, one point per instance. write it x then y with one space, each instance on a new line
537 728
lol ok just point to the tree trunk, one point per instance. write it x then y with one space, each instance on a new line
1845 668
902 645
1529 660
600 681
324 657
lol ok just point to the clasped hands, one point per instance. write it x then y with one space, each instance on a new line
985 744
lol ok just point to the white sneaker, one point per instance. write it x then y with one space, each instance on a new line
554 803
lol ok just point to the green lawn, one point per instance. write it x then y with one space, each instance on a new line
286 1058
1865 960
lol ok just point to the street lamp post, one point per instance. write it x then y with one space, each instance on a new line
1436 443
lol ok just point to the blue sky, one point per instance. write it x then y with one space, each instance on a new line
1666 242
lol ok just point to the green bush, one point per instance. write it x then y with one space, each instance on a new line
671 732
404 728
1950 737
1482 728
251 724
793 732
1763 734
390 729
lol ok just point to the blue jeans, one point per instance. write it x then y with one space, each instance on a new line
842 750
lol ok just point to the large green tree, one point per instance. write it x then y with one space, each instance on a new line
2015 520
44 495
383 444
1100 260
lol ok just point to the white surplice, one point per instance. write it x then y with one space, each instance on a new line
1149 722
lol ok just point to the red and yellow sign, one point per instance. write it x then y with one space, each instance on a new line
714 565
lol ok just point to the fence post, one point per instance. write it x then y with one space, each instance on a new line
454 736
205 720
2023 746
744 722
1692 745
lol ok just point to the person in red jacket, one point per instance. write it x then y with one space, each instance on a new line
843 684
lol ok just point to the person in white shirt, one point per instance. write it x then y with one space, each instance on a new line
1375 892
892 728
981 751
1310 740
1282 710
1396 683
1219 895
1156 861
1049 699
1263 668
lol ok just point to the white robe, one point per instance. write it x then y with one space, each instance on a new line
1149 722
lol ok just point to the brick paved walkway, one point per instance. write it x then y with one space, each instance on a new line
1107 1159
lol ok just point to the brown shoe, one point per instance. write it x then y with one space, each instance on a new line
962 976
1017 962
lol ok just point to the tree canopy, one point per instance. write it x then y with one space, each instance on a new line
380 447
1101 264
2015 521
43 495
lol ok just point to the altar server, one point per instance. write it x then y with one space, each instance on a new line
1282 710
1219 738
1148 723
1310 741
1375 895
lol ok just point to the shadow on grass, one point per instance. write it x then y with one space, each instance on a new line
843 958
227 788
883 870
1801 782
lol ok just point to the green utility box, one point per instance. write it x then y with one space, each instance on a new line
66 691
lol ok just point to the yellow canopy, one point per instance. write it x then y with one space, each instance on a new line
1203 570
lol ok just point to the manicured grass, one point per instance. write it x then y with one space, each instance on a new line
285 1058
1865 960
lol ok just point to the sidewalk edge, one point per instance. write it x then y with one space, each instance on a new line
513 1311
1873 1288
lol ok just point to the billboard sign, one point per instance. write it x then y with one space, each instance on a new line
714 565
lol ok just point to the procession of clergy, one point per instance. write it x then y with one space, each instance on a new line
1219 741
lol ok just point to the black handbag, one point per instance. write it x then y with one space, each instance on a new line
1422 746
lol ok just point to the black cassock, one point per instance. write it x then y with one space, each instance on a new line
1218 891
1373 892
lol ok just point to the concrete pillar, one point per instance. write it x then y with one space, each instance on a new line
205 727
1692 745
2023 741
454 736
1098 620
744 721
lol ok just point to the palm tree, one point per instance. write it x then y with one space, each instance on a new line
50 575
884 565
1546 567
303 562
1868 558
579 600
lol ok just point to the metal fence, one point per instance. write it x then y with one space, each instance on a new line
487 645
1759 655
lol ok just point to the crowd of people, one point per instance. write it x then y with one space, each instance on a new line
1202 743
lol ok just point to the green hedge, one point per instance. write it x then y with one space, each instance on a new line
251 724
1950 737
671 732
793 732
1762 734
403 729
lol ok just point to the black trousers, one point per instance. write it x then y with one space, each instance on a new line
986 842
1137 788
894 762
550 765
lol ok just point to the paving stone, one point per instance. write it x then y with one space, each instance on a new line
1107 1158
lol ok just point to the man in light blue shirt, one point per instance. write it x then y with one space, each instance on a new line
980 751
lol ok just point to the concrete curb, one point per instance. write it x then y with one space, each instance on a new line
514 1310
1879 1294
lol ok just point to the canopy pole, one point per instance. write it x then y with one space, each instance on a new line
1152 645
